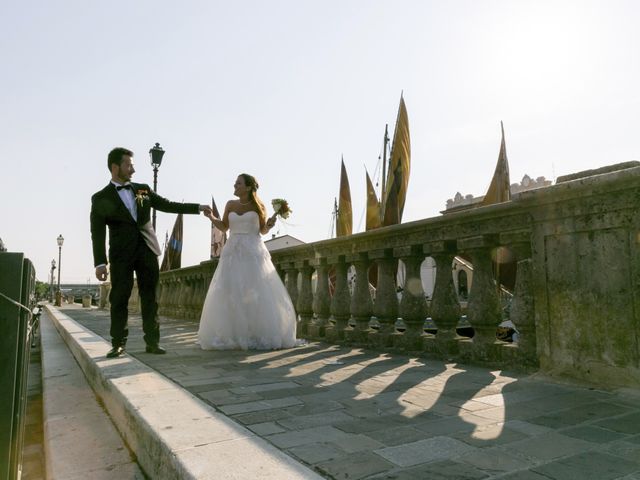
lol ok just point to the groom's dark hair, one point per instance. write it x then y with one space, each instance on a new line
115 156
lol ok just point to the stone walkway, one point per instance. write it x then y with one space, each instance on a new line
353 414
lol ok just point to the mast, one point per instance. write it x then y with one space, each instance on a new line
334 226
383 193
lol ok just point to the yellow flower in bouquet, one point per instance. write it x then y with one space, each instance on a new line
281 207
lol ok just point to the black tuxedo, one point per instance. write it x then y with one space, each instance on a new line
132 247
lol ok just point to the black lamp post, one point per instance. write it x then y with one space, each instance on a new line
53 267
60 241
156 154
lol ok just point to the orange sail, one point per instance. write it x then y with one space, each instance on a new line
399 168
344 222
373 207
499 190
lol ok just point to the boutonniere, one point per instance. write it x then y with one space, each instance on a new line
141 196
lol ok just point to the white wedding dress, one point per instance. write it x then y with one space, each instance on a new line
247 306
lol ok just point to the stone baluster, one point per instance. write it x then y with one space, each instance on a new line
198 294
160 293
321 300
191 296
292 282
522 312
413 306
305 299
341 301
483 310
385 306
361 304
445 306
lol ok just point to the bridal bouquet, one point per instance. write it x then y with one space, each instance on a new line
281 207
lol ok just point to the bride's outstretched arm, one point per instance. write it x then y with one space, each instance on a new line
222 225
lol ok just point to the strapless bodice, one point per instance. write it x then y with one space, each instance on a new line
247 224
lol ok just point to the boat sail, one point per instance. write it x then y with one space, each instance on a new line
395 175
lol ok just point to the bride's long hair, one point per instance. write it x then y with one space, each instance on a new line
252 185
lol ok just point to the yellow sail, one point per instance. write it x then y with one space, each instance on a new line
499 190
373 207
344 222
399 168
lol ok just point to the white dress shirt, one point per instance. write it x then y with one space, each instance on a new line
128 198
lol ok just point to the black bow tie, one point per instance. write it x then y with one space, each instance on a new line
120 187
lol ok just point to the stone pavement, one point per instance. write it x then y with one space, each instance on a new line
352 414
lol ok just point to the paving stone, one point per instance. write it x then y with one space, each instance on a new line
588 466
495 460
592 433
488 436
257 406
423 451
624 424
357 443
440 470
304 437
624 449
550 445
634 439
526 427
266 428
355 466
261 416
299 422
317 452
524 475
263 387
396 436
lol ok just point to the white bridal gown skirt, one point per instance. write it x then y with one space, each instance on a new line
247 305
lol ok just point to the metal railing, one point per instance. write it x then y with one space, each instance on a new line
17 286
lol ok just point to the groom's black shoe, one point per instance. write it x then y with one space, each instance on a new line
155 349
116 352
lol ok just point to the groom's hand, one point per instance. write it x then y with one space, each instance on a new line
102 273
206 209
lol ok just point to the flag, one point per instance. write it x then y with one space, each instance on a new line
218 237
344 222
173 251
400 166
499 190
373 207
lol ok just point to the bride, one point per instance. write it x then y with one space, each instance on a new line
247 306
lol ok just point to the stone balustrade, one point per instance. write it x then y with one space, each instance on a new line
575 301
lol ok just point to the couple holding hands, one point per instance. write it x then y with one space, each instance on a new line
246 307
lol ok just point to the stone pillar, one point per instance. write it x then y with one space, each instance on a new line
105 289
385 307
305 299
445 306
361 304
522 305
321 300
341 301
413 306
483 311
292 282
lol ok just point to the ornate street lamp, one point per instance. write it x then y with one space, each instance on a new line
60 241
156 154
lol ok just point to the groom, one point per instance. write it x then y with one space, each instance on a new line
125 208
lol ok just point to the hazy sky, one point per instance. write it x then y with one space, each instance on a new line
283 89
